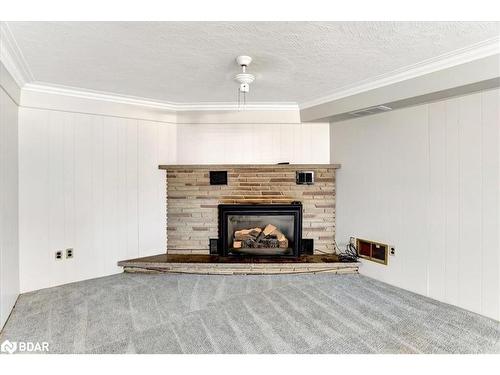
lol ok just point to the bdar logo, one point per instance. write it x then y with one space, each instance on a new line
8 347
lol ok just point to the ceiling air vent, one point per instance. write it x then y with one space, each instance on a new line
370 111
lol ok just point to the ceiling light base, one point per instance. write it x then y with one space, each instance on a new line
243 60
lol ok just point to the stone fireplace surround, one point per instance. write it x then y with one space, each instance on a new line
192 203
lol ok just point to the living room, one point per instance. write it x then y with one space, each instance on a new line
250 187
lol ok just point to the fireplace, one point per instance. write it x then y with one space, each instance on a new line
260 229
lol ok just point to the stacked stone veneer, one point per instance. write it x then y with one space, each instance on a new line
192 201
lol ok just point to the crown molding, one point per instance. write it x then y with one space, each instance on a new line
46 88
73 92
12 57
464 55
254 106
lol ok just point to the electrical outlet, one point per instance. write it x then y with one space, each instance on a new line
392 250
59 255
69 253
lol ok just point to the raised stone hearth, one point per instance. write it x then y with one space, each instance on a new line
216 265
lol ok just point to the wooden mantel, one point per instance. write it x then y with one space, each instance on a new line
213 166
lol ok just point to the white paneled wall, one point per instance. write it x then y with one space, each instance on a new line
253 143
92 183
9 248
426 179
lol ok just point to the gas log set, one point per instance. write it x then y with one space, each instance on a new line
257 238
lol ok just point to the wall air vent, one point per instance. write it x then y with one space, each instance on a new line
370 111
371 250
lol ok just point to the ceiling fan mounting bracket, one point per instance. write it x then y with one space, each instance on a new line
244 60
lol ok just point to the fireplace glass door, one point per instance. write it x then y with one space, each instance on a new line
260 234
260 229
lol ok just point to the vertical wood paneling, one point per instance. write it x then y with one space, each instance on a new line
84 260
184 157
320 141
253 143
435 168
167 155
35 256
68 181
264 143
470 250
98 168
110 248
244 144
384 165
216 141
149 227
452 202
286 149
9 240
232 149
305 142
275 154
490 267
436 204
416 197
122 186
56 192
296 153
167 143
132 203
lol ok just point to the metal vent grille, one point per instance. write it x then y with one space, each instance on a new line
370 111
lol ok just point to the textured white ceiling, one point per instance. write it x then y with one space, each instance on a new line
194 61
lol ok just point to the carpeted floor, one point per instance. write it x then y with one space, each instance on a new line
167 313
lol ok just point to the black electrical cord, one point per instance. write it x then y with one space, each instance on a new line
349 255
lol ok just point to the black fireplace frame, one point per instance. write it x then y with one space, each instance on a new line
294 209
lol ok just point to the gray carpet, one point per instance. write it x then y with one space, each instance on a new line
167 313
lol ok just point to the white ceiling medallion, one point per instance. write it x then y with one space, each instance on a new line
243 78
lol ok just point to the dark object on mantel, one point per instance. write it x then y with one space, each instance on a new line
284 163
218 177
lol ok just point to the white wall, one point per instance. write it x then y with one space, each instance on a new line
92 183
426 179
9 247
252 143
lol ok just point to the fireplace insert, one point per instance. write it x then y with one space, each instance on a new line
260 229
